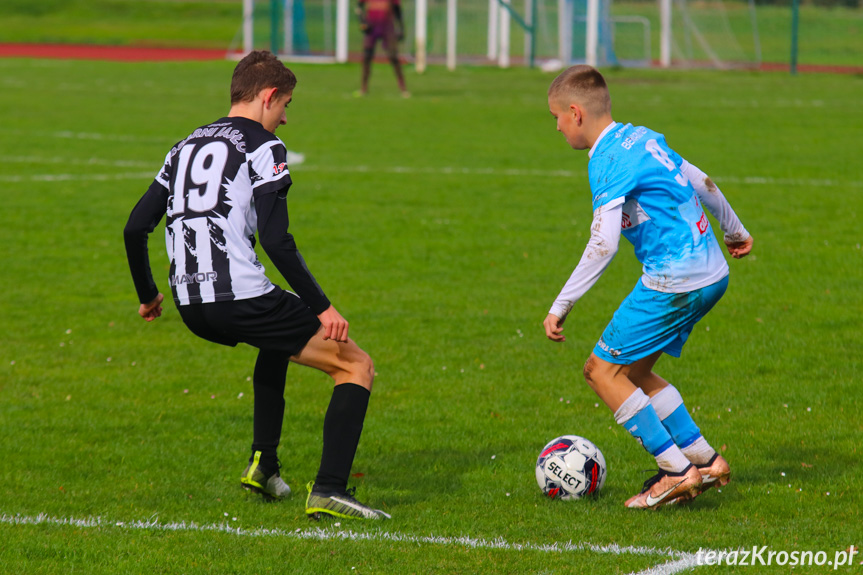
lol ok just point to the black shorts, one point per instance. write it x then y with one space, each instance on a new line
276 321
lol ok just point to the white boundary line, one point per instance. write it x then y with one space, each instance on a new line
96 136
78 177
298 166
444 170
680 561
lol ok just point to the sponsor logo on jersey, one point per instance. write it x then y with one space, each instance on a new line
200 277
625 222
628 142
633 214
609 350
254 177
702 223
279 168
223 131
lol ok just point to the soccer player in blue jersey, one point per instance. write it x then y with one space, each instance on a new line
646 192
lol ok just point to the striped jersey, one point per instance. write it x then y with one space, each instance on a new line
212 178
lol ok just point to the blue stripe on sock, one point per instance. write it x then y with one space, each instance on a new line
681 427
663 447
649 431
690 441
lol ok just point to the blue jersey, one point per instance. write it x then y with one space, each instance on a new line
662 215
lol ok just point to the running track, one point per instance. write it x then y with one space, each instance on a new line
153 54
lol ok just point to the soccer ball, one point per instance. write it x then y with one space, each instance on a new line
570 467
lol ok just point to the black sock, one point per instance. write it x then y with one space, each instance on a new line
342 427
271 369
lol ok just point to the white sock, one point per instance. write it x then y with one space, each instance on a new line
633 404
672 459
666 401
699 452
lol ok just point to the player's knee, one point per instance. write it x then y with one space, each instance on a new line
368 54
361 370
592 372
587 370
368 367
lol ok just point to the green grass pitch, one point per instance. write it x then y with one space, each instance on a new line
442 227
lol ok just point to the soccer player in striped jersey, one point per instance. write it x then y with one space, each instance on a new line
218 187
646 192
381 20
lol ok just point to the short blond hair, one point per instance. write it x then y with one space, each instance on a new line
584 85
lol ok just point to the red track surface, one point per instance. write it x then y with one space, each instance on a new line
141 54
116 53
774 67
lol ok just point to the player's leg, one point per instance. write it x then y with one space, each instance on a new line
623 358
668 402
352 371
632 409
262 474
674 416
391 45
672 412
268 382
279 324
369 41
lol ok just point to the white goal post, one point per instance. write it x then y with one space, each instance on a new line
553 33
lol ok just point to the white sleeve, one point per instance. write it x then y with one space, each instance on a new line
711 197
600 250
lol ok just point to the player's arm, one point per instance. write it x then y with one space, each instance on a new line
272 211
601 249
145 216
361 15
737 239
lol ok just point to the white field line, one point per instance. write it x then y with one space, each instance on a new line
95 136
298 166
680 561
77 177
689 561
80 162
445 170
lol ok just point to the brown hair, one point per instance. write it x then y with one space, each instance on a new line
585 85
258 71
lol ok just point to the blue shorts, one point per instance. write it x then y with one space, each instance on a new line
649 321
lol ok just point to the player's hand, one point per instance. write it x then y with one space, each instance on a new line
554 328
365 28
739 249
335 326
152 310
